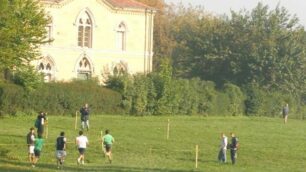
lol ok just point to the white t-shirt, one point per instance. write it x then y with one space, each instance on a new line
223 142
82 141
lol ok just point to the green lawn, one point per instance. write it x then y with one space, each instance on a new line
266 144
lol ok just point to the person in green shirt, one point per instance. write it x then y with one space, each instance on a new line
107 141
37 148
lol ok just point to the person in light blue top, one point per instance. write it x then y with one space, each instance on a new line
107 141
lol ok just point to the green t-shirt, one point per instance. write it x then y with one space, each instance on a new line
108 139
39 143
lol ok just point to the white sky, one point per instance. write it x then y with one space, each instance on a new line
297 7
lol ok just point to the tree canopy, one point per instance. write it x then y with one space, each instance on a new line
22 31
261 46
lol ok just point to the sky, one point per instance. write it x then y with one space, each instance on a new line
297 7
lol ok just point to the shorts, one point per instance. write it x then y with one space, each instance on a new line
31 149
108 147
37 153
60 154
82 151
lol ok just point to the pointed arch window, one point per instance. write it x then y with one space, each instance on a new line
120 68
84 69
121 37
46 67
85 30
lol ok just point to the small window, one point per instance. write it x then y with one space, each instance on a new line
121 37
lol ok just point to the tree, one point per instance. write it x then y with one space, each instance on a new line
22 32
262 46
163 42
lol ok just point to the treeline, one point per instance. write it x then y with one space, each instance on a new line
263 46
161 94
153 94
58 99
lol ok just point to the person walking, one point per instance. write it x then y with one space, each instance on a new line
234 147
60 149
40 123
107 141
285 112
31 145
223 147
82 143
39 141
85 117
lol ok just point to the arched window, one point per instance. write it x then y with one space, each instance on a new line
120 68
46 67
85 30
84 69
121 37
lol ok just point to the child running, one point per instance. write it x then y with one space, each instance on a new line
107 141
37 149
82 143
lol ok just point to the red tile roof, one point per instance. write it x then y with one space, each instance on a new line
115 3
127 4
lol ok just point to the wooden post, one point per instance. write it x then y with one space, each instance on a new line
168 129
197 156
46 123
102 144
76 120
47 130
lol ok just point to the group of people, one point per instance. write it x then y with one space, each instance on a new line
35 143
233 146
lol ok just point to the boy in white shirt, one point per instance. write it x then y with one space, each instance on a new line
82 143
223 148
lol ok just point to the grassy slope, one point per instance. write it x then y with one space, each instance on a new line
141 145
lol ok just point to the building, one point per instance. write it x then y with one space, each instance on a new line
96 38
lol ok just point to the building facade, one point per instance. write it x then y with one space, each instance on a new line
96 38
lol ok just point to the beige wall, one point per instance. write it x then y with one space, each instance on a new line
65 53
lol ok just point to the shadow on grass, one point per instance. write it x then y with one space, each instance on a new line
14 166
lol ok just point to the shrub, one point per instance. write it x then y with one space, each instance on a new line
59 98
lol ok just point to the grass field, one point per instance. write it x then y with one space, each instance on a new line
266 144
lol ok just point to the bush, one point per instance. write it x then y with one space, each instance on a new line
59 98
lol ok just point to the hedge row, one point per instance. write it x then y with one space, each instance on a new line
154 94
158 94
58 99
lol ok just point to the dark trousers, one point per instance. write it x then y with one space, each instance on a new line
233 155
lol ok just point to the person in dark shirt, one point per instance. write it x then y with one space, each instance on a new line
234 147
85 117
60 149
40 123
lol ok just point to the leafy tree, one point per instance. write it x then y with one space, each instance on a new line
163 42
262 46
22 31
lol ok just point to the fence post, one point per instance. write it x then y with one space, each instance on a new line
168 129
197 156
76 120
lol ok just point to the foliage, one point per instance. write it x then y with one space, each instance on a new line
22 31
261 46
59 98
28 78
163 40
236 99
